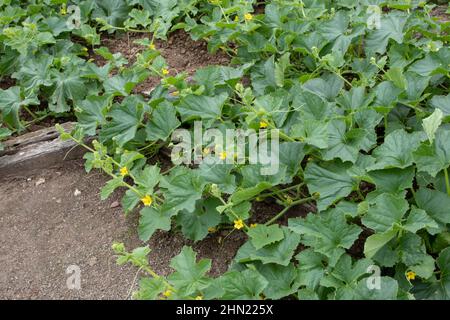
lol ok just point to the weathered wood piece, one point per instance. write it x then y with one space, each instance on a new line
37 150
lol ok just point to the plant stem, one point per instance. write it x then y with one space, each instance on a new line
447 181
282 212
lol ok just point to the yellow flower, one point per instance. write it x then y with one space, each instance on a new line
253 225
167 293
212 229
176 93
147 200
152 46
206 151
248 17
223 155
199 298
123 171
165 71
263 124
63 10
410 275
238 224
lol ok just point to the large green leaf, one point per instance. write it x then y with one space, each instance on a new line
91 113
386 211
162 123
262 235
397 150
203 107
125 120
182 188
391 27
11 101
435 157
330 180
151 220
327 233
195 224
190 275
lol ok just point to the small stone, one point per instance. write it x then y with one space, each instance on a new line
115 204
39 182
76 193
58 200
92 261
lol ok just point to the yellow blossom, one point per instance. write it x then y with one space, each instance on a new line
123 171
410 275
212 229
147 200
176 93
165 71
253 225
223 155
199 298
263 124
152 46
206 151
63 10
248 17
238 224
167 293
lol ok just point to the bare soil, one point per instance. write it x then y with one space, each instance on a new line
181 53
54 218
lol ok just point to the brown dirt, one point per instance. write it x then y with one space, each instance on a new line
439 12
44 228
181 53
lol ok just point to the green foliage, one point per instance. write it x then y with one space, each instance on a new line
363 113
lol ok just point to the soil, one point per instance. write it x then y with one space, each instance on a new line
439 12
181 53
54 218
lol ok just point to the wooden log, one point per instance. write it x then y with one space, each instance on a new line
37 150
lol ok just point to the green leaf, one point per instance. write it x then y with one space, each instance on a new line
125 120
203 107
110 187
432 123
419 219
182 188
248 193
162 123
395 74
213 170
327 233
152 220
435 203
246 285
442 103
11 101
345 275
147 178
377 241
397 150
282 281
311 268
195 224
330 180
69 86
436 157
388 290
393 180
150 289
91 113
280 69
262 235
386 211
189 276
343 144
280 252
311 132
391 27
